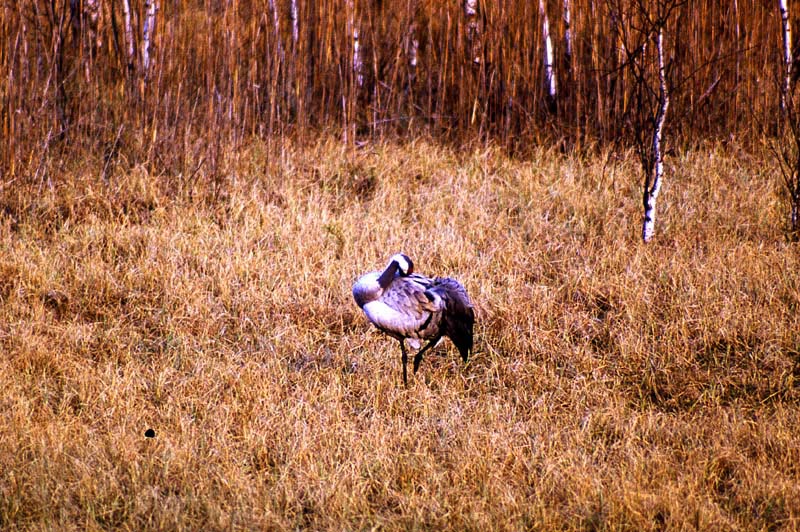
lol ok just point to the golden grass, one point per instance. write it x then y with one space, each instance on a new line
614 385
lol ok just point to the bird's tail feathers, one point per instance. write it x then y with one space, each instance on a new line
462 338
459 316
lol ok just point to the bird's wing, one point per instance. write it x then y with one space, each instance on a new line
411 296
459 314
452 291
406 308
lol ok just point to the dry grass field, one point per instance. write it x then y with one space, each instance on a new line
614 386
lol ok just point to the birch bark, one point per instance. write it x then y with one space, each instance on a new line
549 68
473 30
358 65
94 14
652 182
294 21
129 45
148 30
413 51
789 119
277 28
787 54
567 35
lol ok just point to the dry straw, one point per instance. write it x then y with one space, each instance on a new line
613 385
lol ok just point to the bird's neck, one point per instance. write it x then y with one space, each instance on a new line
387 276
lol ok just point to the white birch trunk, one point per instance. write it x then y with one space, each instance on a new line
473 29
413 51
652 183
293 68
358 65
148 30
549 69
789 118
94 17
129 44
295 24
738 32
277 27
567 35
470 9
787 55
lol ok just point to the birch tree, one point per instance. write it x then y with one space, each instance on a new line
788 156
473 30
567 36
786 33
94 16
129 44
549 60
358 64
646 115
148 31
293 18
412 53
276 25
655 171
293 70
787 150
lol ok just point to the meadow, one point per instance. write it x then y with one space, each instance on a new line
614 385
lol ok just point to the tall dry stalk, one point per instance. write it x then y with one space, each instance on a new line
476 68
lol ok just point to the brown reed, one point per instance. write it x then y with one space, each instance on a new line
221 70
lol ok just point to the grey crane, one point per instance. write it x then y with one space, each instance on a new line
413 307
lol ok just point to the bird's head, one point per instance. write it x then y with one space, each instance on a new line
404 264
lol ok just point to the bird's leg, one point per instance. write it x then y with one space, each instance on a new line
405 361
418 356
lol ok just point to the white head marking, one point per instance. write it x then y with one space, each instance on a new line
404 263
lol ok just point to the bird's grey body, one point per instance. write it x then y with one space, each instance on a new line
409 306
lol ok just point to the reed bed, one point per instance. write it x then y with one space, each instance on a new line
237 70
